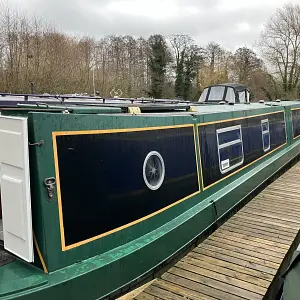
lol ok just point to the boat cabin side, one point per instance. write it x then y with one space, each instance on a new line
85 181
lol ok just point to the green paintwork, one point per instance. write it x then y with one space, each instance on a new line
102 267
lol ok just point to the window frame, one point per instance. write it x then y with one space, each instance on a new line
215 87
203 97
264 132
229 144
234 100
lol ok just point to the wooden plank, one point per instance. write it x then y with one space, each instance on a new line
261 231
272 253
247 240
278 219
196 286
222 278
273 221
277 199
183 291
231 266
245 263
274 214
272 191
263 228
284 178
259 204
145 296
239 255
276 207
280 196
259 241
263 224
237 248
162 293
132 294
225 287
292 186
290 192
258 219
205 265
275 211
257 233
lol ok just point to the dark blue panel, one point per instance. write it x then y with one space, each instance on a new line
252 143
101 177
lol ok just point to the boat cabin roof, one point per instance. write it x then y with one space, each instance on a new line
237 86
230 95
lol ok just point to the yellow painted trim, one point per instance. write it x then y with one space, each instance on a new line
195 130
59 200
39 253
296 137
104 131
201 172
238 170
241 118
60 212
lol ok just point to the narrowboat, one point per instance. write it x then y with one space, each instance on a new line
98 194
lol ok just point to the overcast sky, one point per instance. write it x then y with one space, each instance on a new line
232 23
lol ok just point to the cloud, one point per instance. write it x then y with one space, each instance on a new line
229 22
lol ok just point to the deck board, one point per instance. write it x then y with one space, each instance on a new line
241 259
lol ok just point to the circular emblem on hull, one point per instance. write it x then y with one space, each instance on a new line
154 170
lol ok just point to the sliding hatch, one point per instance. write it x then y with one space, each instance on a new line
15 187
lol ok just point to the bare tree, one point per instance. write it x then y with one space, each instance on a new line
280 44
244 63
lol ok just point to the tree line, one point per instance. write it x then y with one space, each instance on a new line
37 57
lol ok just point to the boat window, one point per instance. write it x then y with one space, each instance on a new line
242 97
230 148
154 170
265 135
230 95
203 95
216 93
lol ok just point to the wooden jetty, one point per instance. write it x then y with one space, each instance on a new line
245 257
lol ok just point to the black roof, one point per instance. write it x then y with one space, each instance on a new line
237 86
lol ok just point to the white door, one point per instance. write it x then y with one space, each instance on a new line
15 187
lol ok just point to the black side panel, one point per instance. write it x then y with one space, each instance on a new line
296 122
252 143
101 178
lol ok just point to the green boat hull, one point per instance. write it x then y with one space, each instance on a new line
108 265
